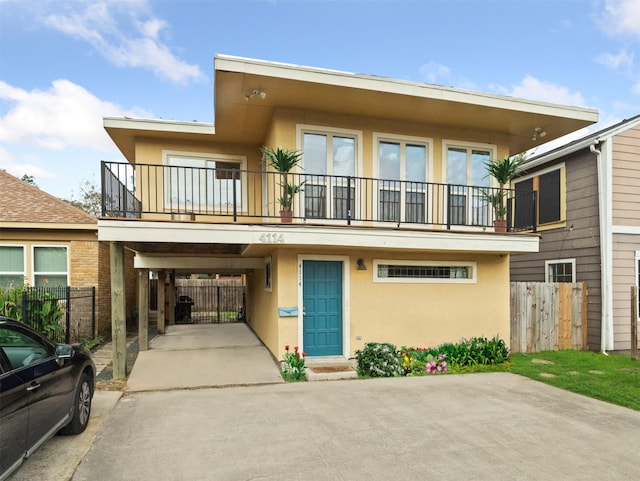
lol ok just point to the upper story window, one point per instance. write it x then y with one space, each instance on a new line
12 265
330 161
550 208
50 266
203 183
467 175
403 173
563 270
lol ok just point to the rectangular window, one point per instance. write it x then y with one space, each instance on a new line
468 179
12 265
424 271
329 161
549 197
202 183
50 266
638 280
267 274
562 270
403 165
548 206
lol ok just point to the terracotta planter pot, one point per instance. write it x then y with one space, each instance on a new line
500 225
286 216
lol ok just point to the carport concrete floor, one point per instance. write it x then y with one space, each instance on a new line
203 355
496 426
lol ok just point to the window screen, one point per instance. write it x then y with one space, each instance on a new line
549 197
11 265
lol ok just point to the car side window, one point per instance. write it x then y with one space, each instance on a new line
20 348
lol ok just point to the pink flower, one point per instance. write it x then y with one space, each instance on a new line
286 348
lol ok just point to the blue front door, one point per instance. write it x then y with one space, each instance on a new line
322 301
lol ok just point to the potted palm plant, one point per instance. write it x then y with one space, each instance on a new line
503 171
284 161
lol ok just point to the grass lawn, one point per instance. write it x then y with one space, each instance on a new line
613 378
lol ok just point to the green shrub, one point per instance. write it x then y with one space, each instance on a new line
475 351
379 360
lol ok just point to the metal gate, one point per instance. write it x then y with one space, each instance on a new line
204 301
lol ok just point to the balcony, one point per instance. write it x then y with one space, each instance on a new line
230 195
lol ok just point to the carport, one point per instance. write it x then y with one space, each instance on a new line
166 260
203 355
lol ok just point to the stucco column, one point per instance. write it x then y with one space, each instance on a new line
143 309
161 298
118 312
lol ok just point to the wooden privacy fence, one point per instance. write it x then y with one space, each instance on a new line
548 316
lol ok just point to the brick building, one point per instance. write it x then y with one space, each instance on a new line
46 241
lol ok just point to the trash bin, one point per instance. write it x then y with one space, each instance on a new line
183 310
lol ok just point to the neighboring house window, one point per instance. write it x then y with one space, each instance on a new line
329 161
424 271
638 279
468 180
563 270
402 171
549 198
12 265
50 266
202 183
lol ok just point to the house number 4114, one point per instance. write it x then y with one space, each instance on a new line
272 238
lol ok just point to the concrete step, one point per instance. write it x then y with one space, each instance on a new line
330 369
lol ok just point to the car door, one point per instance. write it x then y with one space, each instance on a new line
48 384
14 416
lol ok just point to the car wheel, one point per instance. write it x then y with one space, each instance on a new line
81 407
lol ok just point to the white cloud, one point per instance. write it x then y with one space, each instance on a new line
66 115
621 17
123 35
534 89
434 72
624 59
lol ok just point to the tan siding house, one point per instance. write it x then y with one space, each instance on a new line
598 240
389 237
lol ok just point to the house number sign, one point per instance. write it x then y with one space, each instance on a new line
272 239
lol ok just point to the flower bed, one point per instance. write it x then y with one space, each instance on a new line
385 360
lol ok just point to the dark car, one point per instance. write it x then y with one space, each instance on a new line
45 388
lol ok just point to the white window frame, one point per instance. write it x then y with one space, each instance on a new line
357 135
469 147
50 273
22 274
473 266
548 263
403 140
203 158
637 278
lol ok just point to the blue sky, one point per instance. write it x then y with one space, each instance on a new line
65 64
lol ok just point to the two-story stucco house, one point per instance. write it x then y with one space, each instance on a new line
392 238
588 204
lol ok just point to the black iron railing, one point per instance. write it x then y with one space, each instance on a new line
190 193
62 313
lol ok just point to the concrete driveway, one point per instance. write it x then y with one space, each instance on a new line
203 355
495 426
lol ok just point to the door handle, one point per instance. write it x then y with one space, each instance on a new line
34 387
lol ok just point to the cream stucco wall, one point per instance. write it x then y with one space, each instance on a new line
416 314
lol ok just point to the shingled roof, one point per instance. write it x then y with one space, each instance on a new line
22 202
